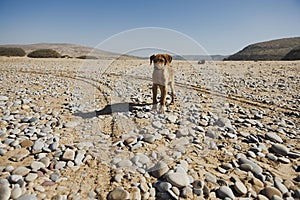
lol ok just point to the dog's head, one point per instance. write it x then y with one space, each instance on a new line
160 59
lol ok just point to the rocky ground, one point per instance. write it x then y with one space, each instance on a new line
75 129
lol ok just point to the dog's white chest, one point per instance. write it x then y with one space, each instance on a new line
160 77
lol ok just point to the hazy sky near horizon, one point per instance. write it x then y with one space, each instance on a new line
219 26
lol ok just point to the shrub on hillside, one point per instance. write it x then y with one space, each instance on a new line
11 51
87 57
44 53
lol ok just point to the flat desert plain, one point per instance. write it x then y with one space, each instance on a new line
85 129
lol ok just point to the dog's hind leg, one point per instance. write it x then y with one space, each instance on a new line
172 93
163 91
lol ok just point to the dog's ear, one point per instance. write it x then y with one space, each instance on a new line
168 58
152 58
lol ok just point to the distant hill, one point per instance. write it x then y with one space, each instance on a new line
269 50
70 50
200 57
294 54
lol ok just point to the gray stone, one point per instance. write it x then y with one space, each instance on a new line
36 165
31 177
60 165
240 188
118 178
71 124
272 157
280 186
79 158
149 138
164 186
68 155
4 98
210 178
54 176
23 171
124 163
27 197
157 124
256 169
118 194
159 169
179 180
15 178
39 188
225 192
5 191
172 118
16 192
211 134
54 146
182 132
270 191
135 193
273 137
280 149
284 160
38 145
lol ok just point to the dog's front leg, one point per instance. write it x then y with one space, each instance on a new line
154 93
163 90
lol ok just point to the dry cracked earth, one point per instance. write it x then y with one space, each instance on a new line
85 129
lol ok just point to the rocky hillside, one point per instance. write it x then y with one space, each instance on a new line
269 50
68 50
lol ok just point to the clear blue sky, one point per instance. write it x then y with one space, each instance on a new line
220 26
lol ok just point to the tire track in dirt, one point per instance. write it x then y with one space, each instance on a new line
231 97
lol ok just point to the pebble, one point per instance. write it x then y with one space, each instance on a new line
38 145
54 176
118 194
172 118
4 98
79 158
60 165
135 193
23 171
16 192
270 191
149 138
159 169
31 177
5 191
71 124
210 178
19 154
124 163
225 192
240 188
256 169
35 166
178 179
15 178
280 149
211 134
26 143
27 197
157 124
274 137
280 186
39 188
69 154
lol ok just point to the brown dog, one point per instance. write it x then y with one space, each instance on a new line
163 75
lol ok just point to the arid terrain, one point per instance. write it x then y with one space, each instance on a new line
85 129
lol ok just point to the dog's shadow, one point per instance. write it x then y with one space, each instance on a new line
113 108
